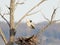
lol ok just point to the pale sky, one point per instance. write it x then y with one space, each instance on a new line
46 7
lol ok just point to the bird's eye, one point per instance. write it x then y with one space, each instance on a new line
30 20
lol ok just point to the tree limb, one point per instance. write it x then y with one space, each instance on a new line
50 22
52 17
3 36
44 28
53 14
54 21
33 13
28 13
19 3
5 19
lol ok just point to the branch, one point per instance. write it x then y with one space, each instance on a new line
5 19
53 14
19 3
44 28
3 36
28 13
52 17
50 22
33 13
54 21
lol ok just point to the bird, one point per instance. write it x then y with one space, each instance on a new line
30 24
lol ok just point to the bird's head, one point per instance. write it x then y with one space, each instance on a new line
28 20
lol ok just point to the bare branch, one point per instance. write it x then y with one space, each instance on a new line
45 18
52 17
3 36
36 6
53 14
54 21
29 12
5 19
50 22
19 3
33 13
44 28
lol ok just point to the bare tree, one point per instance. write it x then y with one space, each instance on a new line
23 41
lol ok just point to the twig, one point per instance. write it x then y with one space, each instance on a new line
5 19
3 36
28 13
20 3
53 14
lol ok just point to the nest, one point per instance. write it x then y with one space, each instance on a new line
27 41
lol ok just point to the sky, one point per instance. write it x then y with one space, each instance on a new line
46 8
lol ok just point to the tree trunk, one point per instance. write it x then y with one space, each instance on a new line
12 26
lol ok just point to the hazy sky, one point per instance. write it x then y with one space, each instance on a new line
46 7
